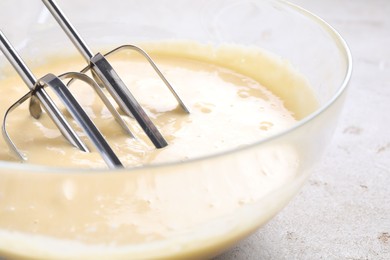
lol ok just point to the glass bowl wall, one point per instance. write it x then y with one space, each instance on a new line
312 47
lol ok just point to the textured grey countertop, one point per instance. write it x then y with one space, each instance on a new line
343 212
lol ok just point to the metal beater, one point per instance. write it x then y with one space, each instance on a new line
104 76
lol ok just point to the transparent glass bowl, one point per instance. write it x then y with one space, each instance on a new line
311 45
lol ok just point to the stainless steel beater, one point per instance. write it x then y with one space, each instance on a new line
61 90
104 76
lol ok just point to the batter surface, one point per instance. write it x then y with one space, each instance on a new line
228 109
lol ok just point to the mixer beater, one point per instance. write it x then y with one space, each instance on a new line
103 77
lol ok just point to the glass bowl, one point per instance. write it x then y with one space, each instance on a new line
313 48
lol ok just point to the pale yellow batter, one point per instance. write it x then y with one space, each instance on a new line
228 109
108 216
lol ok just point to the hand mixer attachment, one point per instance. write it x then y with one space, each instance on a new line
103 76
37 90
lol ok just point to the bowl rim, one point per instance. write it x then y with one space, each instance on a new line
344 51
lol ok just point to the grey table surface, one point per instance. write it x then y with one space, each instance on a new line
343 212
